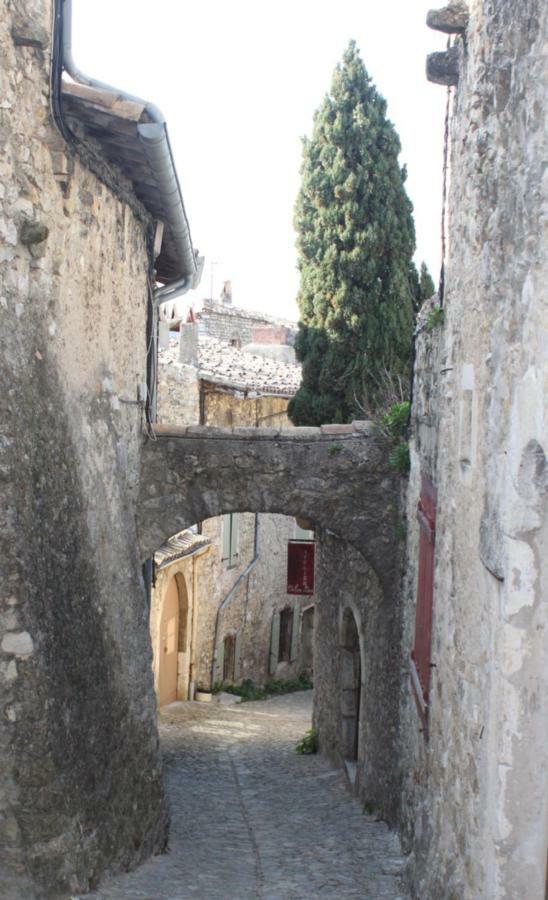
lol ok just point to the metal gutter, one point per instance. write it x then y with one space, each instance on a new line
157 149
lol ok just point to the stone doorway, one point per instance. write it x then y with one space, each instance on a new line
169 645
351 677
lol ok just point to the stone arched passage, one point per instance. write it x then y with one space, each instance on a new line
336 477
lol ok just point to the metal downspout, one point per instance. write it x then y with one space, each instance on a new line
224 603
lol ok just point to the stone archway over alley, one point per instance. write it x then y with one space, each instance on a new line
336 477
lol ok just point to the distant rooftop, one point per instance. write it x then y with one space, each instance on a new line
185 543
226 309
222 364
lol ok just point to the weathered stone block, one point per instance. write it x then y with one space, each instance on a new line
17 643
443 68
451 19
29 34
336 429
32 232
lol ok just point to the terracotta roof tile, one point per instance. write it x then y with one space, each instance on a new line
223 364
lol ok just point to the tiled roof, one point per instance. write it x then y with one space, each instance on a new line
183 544
231 367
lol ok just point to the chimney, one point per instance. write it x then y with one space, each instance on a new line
188 343
226 293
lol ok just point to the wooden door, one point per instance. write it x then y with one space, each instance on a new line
169 632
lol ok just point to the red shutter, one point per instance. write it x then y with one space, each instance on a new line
300 567
420 655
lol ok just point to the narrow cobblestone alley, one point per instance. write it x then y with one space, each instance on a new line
250 818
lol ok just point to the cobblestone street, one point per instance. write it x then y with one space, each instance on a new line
250 818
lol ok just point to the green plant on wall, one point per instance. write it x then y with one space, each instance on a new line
434 318
308 744
399 458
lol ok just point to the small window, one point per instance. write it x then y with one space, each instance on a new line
230 539
286 634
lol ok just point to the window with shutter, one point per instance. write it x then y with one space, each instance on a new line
300 567
229 658
295 633
420 655
286 633
230 529
219 664
274 643
237 655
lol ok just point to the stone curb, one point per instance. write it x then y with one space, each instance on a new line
356 429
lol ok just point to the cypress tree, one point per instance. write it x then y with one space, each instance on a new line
355 241
426 284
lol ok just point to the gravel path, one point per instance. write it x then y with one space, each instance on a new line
253 819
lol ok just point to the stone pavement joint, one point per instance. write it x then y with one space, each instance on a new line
253 820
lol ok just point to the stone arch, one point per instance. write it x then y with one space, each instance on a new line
340 481
351 678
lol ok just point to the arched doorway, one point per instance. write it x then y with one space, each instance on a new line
169 645
351 677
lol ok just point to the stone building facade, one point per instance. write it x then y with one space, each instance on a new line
174 608
475 761
246 625
80 778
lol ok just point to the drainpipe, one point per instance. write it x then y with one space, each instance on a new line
224 603
157 149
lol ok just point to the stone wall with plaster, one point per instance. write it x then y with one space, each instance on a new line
259 596
475 808
80 784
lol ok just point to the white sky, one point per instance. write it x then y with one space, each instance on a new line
238 82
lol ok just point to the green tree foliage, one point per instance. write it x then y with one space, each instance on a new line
426 285
356 238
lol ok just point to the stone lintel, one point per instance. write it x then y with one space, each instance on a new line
251 431
443 68
177 430
207 431
336 429
451 19
306 431
364 426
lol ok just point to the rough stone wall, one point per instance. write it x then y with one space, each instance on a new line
226 408
474 804
80 786
346 582
178 394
